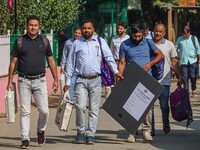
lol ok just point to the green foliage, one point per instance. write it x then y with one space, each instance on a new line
54 14
159 3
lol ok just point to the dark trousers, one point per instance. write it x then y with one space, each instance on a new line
189 72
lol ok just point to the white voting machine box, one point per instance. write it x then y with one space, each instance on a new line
10 106
132 98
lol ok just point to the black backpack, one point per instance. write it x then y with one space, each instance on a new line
19 48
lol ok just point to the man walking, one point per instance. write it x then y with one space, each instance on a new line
66 49
189 53
115 45
85 61
169 51
32 81
137 49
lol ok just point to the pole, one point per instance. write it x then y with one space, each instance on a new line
16 23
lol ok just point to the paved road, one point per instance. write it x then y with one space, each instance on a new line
110 135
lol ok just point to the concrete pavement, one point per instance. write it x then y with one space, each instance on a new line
110 135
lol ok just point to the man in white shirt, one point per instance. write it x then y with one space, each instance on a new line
118 39
115 45
171 61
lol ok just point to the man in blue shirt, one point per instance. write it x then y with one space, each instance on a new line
66 49
85 61
188 54
137 49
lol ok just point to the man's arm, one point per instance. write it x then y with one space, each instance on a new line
11 72
159 56
64 57
53 69
121 66
176 69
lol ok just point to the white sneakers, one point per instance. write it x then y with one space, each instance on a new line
131 138
146 137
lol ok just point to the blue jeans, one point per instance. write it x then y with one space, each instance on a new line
91 89
38 89
71 87
164 104
189 72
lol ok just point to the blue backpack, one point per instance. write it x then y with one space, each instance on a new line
157 69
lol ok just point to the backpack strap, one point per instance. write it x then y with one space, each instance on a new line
45 41
193 41
19 44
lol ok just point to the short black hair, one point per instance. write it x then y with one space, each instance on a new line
32 17
88 20
145 26
77 28
186 29
123 24
136 28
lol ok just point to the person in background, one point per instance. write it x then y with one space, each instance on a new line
85 62
115 45
32 80
61 41
169 51
66 49
189 55
137 49
146 33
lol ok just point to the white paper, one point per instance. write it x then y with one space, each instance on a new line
138 101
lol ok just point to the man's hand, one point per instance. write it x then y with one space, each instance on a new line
62 71
66 88
147 67
9 86
55 86
119 76
180 81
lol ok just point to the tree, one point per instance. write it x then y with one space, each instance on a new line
54 14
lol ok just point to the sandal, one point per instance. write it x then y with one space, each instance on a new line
194 93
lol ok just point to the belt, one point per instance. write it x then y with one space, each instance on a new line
89 76
32 77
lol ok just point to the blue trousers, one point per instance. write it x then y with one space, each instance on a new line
164 104
189 72
71 87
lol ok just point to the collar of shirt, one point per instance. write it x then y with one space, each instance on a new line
93 38
28 38
162 41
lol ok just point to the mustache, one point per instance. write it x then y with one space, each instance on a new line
87 35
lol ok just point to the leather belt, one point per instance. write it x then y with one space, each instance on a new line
32 77
89 76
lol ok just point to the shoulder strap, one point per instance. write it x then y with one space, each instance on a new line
45 41
149 44
152 34
99 40
193 41
19 44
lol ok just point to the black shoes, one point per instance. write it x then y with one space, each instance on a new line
41 138
166 128
25 144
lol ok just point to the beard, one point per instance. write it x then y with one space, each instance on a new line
137 42
87 35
